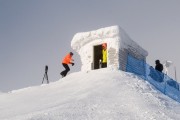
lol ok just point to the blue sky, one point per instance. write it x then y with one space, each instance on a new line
35 33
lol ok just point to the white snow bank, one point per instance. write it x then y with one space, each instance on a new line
95 95
111 33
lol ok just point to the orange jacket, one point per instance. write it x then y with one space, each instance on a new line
67 59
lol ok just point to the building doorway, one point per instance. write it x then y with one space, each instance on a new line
97 56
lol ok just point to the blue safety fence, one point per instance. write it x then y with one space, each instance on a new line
159 80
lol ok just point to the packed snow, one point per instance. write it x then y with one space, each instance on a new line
93 95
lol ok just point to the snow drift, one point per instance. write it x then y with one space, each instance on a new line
94 95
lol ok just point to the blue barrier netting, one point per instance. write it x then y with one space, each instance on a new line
161 81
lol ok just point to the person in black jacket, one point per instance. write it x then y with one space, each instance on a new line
158 66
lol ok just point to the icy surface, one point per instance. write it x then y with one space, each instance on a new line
94 95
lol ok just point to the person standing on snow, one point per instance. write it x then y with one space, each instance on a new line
158 66
104 55
46 75
67 60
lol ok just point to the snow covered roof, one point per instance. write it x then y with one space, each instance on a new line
81 39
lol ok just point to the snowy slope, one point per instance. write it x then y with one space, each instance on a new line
95 95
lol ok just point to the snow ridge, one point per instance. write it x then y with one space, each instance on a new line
91 95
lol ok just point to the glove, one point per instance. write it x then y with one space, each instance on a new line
72 64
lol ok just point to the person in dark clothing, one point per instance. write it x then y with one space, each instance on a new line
67 60
158 66
46 75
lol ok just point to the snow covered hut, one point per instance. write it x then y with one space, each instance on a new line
119 45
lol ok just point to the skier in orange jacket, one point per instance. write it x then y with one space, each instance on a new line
67 60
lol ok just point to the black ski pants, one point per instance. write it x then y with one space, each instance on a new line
104 65
67 69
